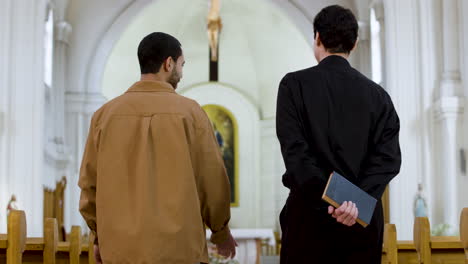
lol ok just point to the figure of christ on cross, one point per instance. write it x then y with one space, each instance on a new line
214 26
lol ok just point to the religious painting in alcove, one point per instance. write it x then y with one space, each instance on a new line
225 129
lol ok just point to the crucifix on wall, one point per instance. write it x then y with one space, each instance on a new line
214 26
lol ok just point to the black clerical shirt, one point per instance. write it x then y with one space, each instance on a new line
332 118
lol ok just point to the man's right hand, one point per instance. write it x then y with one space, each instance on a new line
346 214
227 248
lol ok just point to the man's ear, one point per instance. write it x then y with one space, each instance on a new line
355 44
168 64
318 42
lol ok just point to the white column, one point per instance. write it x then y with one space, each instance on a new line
56 154
79 109
22 107
363 52
403 66
448 113
5 30
431 59
449 109
62 37
451 84
463 9
378 7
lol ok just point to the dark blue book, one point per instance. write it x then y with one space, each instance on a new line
340 190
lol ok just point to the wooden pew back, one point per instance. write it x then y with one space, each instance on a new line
422 239
464 231
50 240
390 244
16 237
435 249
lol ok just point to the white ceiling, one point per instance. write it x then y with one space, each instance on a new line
258 45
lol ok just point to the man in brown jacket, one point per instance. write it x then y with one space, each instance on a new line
152 174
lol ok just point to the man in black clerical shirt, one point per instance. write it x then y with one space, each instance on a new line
332 118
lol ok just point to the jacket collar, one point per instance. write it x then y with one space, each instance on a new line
151 86
335 61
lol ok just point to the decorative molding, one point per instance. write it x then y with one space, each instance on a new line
364 30
247 96
99 59
268 127
55 155
88 103
379 10
2 123
301 9
50 6
63 31
448 107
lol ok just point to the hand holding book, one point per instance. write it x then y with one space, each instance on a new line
346 214
339 191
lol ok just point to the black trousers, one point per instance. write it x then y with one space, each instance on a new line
311 235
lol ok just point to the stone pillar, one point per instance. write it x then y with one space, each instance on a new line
449 110
378 7
463 9
403 71
57 157
448 113
363 52
5 57
21 107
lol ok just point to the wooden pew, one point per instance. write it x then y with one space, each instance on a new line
75 245
50 240
422 239
464 232
16 248
43 250
436 249
426 249
53 205
14 244
91 249
390 248
397 251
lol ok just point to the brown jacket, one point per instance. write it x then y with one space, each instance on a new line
152 176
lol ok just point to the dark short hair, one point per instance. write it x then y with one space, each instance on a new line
155 48
338 29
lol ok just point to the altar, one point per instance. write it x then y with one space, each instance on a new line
251 244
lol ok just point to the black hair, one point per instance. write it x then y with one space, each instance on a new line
338 29
155 48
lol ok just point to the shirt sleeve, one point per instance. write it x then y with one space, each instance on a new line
298 155
87 180
212 180
383 161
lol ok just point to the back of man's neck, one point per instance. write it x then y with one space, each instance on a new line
152 77
325 55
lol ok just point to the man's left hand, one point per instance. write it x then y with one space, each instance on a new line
97 255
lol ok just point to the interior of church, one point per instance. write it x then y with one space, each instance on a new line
61 60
